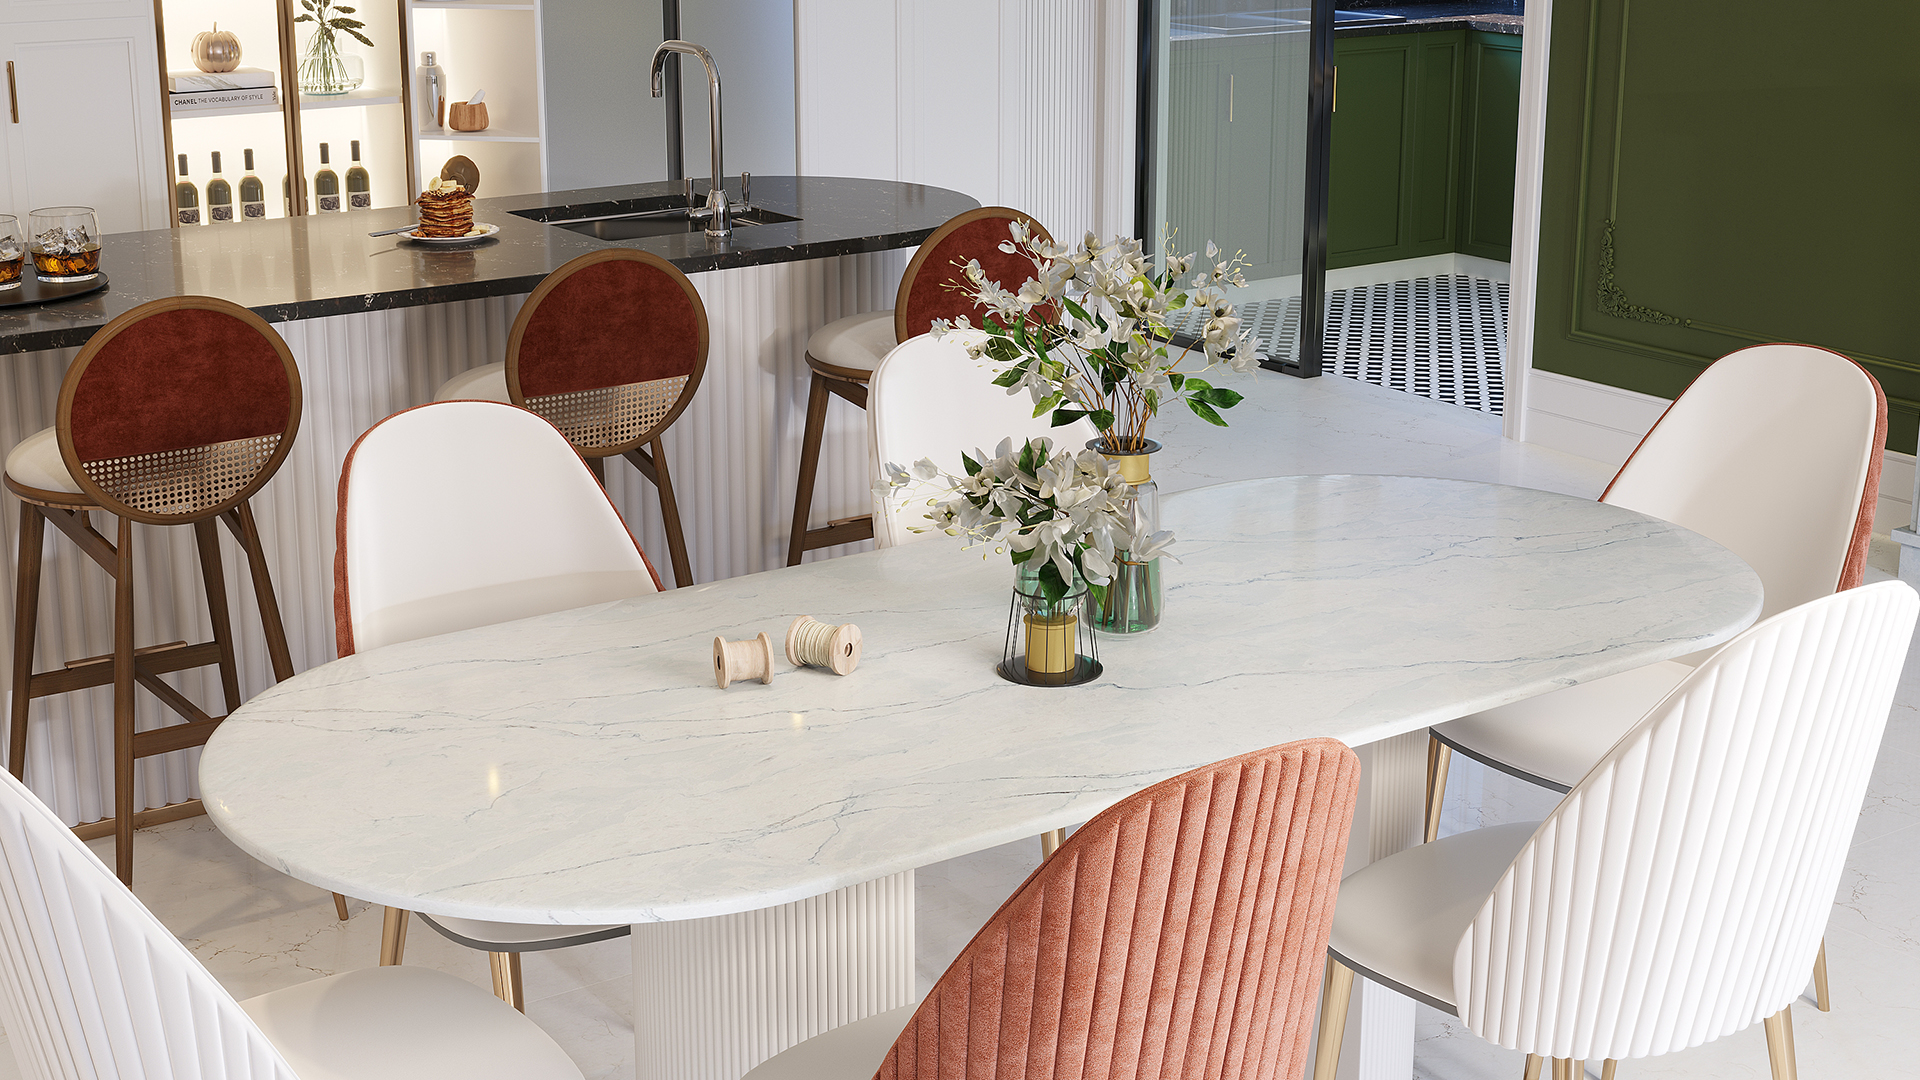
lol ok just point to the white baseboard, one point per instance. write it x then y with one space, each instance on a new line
1605 423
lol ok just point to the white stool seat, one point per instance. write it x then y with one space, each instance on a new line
35 462
488 382
404 1023
519 937
857 342
849 1052
1399 920
1553 739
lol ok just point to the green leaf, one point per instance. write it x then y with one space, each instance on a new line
1051 586
1220 397
1102 419
304 18
1063 417
1076 310
1205 412
1009 377
360 37
1046 404
972 466
1176 379
345 10
1022 556
344 23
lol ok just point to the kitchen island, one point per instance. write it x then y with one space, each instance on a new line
376 324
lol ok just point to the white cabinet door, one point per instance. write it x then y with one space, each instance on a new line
19 11
88 130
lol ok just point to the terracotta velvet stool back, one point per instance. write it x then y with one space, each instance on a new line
175 413
1177 934
843 354
610 349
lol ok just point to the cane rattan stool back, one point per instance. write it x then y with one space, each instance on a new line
930 289
178 410
609 349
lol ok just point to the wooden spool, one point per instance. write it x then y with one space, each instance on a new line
812 643
742 660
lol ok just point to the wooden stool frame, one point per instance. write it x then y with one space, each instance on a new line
829 380
646 452
128 665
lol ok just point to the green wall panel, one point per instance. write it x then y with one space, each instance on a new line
1716 177
1490 122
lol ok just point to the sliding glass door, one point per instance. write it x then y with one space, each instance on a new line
1228 154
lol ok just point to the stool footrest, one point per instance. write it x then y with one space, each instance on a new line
107 658
843 531
174 737
159 815
98 670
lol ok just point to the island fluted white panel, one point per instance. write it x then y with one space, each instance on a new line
735 455
715 997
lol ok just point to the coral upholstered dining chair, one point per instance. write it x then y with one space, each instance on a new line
1177 934
1679 892
461 514
175 413
843 354
610 348
1774 452
91 985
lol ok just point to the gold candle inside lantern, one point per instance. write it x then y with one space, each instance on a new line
1050 643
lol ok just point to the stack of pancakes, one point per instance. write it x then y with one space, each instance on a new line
446 209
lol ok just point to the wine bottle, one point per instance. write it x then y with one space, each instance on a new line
326 184
219 194
359 184
253 193
186 196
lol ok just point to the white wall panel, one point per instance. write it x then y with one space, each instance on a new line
734 454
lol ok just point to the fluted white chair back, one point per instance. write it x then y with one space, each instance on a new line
928 399
464 513
1774 452
1681 889
91 985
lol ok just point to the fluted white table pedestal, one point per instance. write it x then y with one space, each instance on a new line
714 997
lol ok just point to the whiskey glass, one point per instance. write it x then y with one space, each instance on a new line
13 252
65 242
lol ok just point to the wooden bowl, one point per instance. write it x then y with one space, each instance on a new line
462 116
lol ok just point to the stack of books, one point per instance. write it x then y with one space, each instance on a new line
219 90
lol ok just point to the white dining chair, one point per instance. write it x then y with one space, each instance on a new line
466 513
92 985
1680 891
928 399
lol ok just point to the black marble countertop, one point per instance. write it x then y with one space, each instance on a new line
1492 16
308 267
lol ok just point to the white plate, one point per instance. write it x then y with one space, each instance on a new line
481 230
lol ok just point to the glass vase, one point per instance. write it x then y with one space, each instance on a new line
1050 642
1130 603
325 71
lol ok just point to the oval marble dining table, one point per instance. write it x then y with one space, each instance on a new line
582 767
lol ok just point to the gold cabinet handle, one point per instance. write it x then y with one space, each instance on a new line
13 95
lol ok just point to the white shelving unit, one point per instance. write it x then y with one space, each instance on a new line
373 114
491 47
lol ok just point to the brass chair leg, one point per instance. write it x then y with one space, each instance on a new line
1563 1069
123 705
506 979
1439 757
1606 1069
1335 995
1050 842
26 619
1820 995
1780 1055
340 906
393 936
1534 1061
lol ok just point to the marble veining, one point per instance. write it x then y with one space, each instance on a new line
325 264
582 767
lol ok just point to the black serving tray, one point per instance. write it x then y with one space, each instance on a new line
34 291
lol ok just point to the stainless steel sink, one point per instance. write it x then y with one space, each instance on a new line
639 218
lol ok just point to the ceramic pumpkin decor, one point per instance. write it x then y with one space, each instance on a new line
216 50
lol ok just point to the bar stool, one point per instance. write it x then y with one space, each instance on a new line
843 353
175 413
609 349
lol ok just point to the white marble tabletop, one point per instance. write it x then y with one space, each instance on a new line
582 767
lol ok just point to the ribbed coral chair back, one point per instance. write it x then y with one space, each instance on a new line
1774 452
927 291
1178 934
91 985
1681 889
609 348
178 409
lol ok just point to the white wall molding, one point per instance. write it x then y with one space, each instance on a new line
1605 423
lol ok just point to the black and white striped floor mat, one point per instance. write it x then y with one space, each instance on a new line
1443 338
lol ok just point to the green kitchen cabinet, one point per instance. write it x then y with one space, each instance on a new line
1489 139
